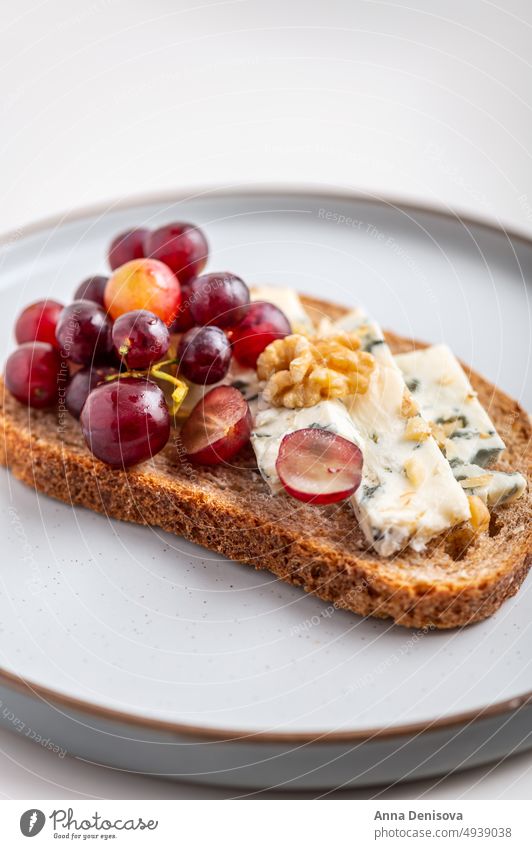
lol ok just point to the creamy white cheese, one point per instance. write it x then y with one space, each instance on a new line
445 396
408 493
493 487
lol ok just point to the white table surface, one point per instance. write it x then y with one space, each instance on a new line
99 100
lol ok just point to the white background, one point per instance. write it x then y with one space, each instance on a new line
428 101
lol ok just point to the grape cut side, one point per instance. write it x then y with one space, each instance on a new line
218 427
319 467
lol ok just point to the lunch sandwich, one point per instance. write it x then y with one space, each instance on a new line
282 431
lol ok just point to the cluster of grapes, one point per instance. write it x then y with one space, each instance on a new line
115 334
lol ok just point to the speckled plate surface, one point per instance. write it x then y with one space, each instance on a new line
131 647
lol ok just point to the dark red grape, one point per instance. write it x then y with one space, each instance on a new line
81 384
37 322
262 324
181 246
31 374
183 317
204 355
125 421
218 427
84 333
92 289
140 338
128 245
220 298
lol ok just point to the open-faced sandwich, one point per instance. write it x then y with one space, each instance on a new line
282 431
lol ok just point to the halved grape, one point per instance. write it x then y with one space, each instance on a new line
127 246
31 374
125 421
219 298
218 427
92 289
84 333
204 355
37 322
181 246
317 466
262 324
140 338
81 384
143 284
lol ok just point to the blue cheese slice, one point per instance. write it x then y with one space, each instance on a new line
408 494
449 402
493 487
464 430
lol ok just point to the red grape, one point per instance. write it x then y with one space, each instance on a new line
37 322
262 324
315 465
125 421
84 333
81 384
183 320
140 338
127 246
92 289
204 354
181 246
219 299
31 374
218 427
143 284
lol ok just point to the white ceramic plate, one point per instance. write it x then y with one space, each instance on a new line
142 650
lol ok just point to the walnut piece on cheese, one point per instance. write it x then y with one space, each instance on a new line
480 515
302 371
417 429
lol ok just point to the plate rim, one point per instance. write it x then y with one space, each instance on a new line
11 680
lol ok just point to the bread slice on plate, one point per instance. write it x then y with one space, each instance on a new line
458 579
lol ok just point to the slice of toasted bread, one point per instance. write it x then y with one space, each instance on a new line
457 580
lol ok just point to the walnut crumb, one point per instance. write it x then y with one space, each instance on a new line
302 371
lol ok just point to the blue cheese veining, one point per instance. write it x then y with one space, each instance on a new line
408 493
462 427
450 403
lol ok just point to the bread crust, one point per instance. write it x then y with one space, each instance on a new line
229 510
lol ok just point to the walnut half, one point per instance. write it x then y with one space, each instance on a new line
302 371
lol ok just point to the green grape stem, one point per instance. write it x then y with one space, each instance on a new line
180 391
